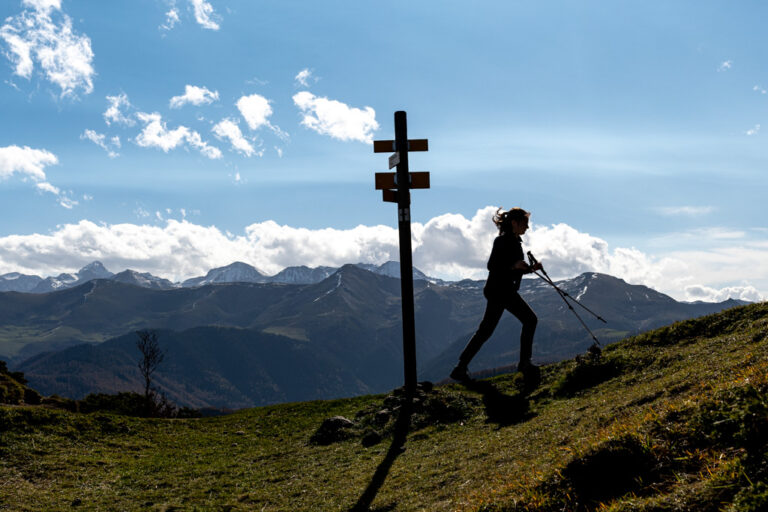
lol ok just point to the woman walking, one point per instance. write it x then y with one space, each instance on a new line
506 267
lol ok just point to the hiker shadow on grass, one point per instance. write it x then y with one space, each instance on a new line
502 409
402 424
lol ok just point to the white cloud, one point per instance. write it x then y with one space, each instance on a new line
228 129
67 202
101 140
753 131
194 95
303 77
204 14
114 113
47 187
725 66
30 164
25 161
34 36
689 211
171 19
707 294
759 89
449 246
331 117
43 5
255 109
156 134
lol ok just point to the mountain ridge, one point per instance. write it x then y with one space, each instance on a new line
349 320
236 272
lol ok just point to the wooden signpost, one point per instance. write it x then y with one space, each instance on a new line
395 187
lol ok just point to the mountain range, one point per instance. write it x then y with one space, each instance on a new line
237 272
240 344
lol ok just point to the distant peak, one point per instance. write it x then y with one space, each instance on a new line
236 264
94 265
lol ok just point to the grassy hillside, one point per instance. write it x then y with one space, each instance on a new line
674 419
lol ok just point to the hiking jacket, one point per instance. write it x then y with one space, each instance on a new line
503 279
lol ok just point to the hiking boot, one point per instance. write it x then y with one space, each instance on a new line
529 370
461 374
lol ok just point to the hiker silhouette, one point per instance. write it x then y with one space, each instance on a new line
506 267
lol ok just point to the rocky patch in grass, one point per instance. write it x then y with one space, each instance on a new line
429 407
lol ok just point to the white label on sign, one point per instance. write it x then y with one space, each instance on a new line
394 159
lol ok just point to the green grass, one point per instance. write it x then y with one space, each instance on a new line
683 409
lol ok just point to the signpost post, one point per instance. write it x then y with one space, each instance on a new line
396 188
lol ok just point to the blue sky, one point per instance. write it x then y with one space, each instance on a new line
241 130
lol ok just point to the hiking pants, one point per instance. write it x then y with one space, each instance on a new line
515 304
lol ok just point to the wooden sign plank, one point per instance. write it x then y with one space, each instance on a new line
386 180
386 146
418 144
389 196
419 179
383 146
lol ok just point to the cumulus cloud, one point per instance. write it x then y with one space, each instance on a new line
334 118
228 129
725 66
255 109
708 294
304 77
42 34
114 112
195 96
156 134
101 140
759 89
448 246
180 249
204 14
25 161
753 131
30 164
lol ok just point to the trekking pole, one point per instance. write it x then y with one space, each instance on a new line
563 296
561 291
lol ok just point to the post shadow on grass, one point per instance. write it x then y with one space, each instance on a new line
402 425
500 408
